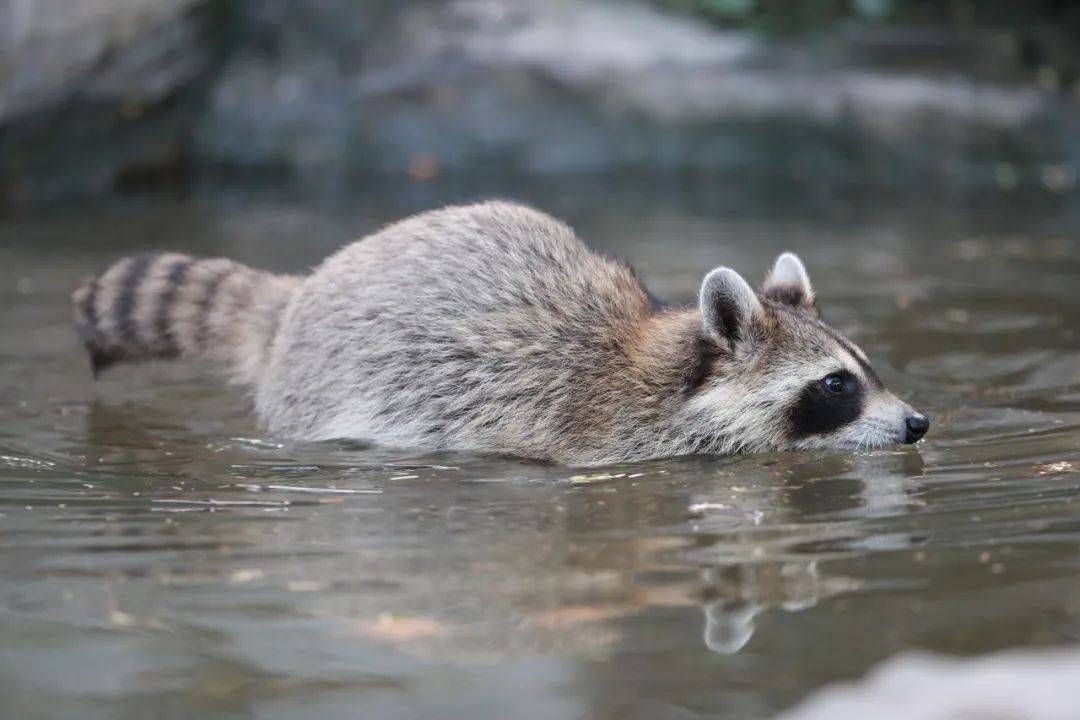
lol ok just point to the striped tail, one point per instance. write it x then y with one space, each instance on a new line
169 306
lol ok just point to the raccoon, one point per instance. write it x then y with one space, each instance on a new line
492 328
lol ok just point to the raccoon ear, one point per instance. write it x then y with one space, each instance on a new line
788 282
728 305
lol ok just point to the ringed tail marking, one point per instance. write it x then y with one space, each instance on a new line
174 278
168 305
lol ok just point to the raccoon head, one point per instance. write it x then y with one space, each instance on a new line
783 379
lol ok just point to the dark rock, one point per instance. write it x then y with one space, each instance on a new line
99 92
575 86
93 89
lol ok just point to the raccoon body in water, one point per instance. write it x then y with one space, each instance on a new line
492 328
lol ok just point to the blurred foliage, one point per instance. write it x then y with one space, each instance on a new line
801 16
1045 33
782 16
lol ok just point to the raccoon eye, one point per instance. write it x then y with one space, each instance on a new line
835 384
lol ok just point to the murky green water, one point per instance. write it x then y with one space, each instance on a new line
160 556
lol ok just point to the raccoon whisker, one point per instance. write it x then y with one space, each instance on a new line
864 438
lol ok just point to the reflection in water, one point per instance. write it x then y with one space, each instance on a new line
829 487
749 590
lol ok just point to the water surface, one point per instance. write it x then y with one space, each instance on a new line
160 555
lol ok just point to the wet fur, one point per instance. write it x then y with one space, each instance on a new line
487 328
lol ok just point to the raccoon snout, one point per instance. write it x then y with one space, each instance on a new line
916 426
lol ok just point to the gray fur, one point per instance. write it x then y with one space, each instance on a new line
492 328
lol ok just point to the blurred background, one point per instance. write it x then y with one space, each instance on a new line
104 96
161 556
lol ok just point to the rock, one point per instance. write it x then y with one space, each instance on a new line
100 92
525 85
93 88
1020 684
577 86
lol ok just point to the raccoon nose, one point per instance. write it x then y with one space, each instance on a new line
917 425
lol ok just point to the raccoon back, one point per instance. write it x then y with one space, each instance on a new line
489 326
